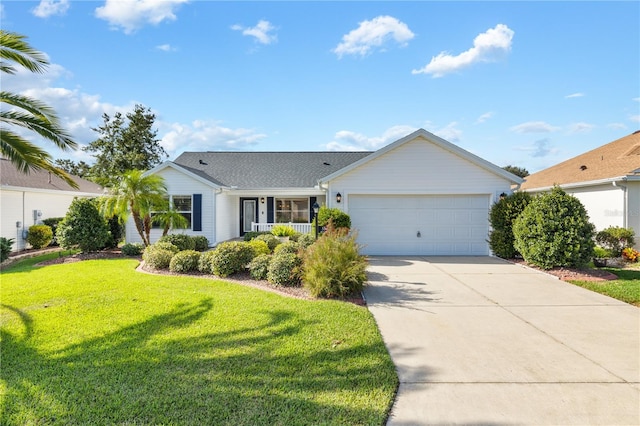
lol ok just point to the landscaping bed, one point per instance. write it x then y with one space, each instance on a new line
573 274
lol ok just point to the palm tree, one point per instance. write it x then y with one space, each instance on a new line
169 218
138 195
28 113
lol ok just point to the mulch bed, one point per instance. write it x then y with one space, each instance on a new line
573 274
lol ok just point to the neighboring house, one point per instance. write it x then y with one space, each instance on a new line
27 199
420 195
606 180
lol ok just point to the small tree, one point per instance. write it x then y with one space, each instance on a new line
39 236
83 227
501 217
554 230
615 239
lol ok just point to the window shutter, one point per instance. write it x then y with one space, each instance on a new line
197 212
312 214
270 201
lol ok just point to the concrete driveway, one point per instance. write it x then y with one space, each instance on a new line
478 340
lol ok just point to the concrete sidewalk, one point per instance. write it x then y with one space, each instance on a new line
478 340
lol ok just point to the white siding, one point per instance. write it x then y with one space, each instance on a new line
19 205
227 217
605 204
179 183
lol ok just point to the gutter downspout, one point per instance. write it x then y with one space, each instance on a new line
625 208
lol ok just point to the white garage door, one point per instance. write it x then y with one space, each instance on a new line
421 225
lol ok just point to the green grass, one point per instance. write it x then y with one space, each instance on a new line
96 342
626 288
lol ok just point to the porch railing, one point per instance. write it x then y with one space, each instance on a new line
303 228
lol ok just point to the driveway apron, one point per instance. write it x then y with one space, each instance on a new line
478 340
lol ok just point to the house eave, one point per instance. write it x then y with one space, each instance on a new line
274 191
50 191
181 169
584 184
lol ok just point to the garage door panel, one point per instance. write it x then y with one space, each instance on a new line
448 224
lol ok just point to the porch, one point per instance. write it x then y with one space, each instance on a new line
303 228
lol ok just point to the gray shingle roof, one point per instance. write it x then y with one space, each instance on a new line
39 179
249 170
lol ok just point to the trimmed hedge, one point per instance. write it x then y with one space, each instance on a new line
132 249
158 257
501 217
185 261
201 243
259 267
259 247
271 240
290 247
231 257
205 263
285 269
337 217
616 239
39 236
182 241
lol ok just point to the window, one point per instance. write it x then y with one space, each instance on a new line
294 210
182 204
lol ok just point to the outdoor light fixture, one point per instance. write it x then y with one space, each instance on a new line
262 200
503 195
316 209
338 197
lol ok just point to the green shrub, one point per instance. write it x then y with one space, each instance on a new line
39 236
333 266
201 243
259 267
285 269
230 258
283 231
305 240
289 247
132 249
616 239
5 248
83 227
271 240
116 232
601 253
339 218
259 247
248 236
165 245
554 230
205 263
53 223
501 217
182 241
185 261
157 257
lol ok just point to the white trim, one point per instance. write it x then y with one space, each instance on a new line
435 140
273 192
584 183
50 191
180 169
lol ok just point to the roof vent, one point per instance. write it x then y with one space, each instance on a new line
202 162
583 167
326 164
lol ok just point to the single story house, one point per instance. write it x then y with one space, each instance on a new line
27 199
420 195
606 180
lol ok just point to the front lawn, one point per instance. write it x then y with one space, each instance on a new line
626 288
96 342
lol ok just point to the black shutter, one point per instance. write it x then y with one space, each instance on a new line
270 202
196 220
312 214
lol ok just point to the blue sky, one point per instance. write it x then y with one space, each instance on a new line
523 83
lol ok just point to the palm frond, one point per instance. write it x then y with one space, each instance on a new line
14 48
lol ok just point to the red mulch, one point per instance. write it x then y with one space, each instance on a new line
573 274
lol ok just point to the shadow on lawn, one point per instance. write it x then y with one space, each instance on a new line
147 374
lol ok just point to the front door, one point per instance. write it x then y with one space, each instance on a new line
248 214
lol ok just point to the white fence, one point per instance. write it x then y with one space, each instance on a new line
303 228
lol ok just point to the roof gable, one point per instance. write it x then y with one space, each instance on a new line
431 138
257 170
616 159
42 179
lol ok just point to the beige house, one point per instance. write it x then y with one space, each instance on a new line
606 180
27 199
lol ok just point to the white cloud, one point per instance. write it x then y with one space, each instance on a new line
616 126
540 148
484 117
449 132
635 118
202 135
130 15
534 127
636 99
574 95
261 32
580 127
346 140
47 8
373 34
487 47
166 48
